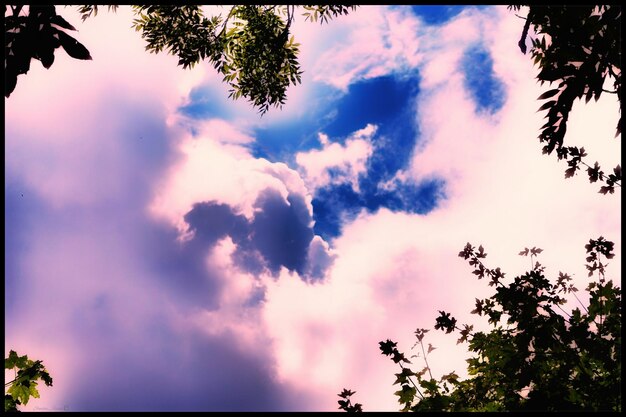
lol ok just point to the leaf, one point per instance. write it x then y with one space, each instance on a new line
548 94
73 48
403 377
11 360
594 173
10 81
445 322
429 385
399 357
451 377
547 105
570 172
618 172
10 404
406 395
20 393
479 307
387 347
33 390
45 376
47 60
430 348
59 21
346 393
16 361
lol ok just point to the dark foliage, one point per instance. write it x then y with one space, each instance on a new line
537 356
577 47
35 35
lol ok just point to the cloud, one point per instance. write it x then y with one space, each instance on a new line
100 287
278 235
155 255
387 102
379 41
264 207
336 163
395 270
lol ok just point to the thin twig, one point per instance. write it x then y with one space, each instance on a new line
580 302
225 22
416 387
426 360
522 41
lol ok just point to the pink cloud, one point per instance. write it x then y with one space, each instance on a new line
391 271
394 271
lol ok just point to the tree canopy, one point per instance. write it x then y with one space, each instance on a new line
578 48
251 46
537 355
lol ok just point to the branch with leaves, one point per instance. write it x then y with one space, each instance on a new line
251 48
533 358
35 33
345 403
577 47
24 385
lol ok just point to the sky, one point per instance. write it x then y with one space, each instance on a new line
168 249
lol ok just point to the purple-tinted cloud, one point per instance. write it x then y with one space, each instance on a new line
160 368
279 234
155 263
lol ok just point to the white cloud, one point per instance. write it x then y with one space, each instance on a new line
215 167
394 271
391 271
378 40
237 314
336 163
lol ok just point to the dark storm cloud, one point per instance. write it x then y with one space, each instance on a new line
278 236
180 267
281 231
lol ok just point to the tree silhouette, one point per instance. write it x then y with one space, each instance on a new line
35 35
537 356
577 47
251 47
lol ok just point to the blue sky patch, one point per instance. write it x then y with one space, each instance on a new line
376 100
280 141
436 14
480 80
389 103
205 103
